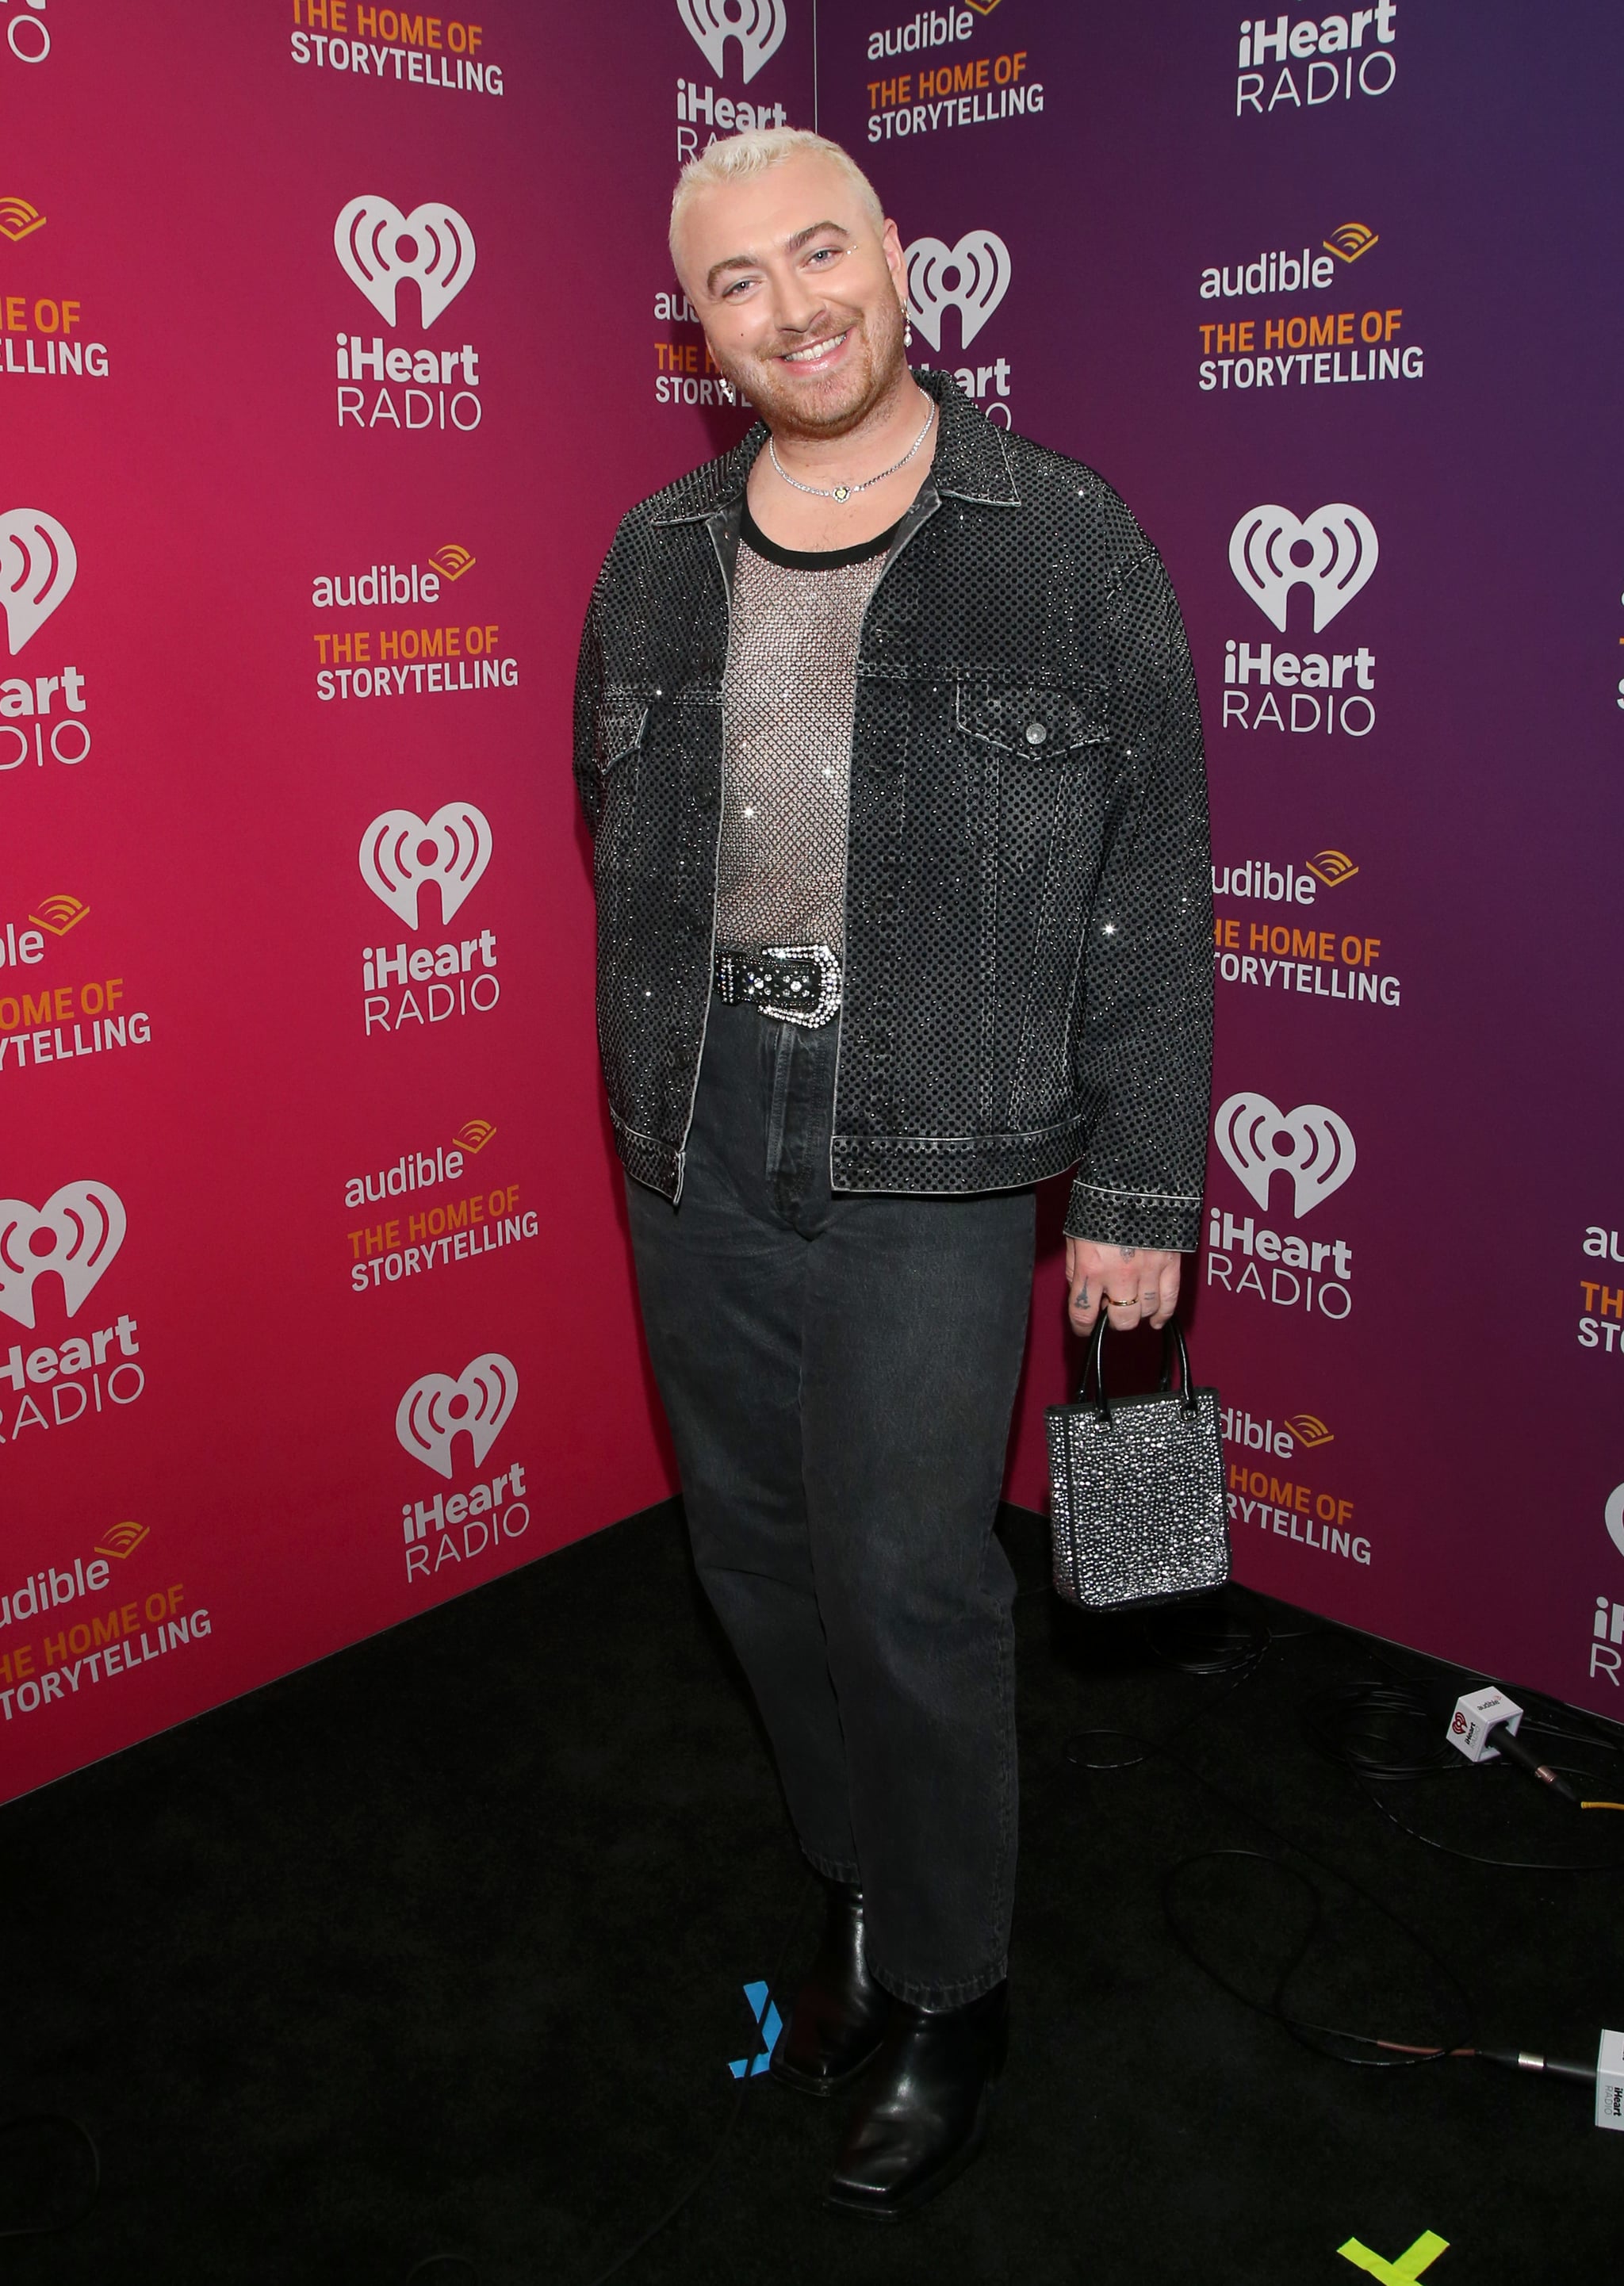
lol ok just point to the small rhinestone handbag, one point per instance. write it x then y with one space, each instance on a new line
1139 1511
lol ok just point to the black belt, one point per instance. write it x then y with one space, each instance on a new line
797 983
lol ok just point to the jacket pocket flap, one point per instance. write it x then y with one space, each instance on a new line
621 715
1038 723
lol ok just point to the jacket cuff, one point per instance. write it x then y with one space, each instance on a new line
1120 1218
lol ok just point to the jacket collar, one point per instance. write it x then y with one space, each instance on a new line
971 463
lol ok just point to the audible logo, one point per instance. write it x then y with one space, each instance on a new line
60 1021
383 584
1601 1327
1282 885
432 1415
1301 349
967 91
1350 240
1281 273
391 661
37 330
26 947
1318 963
121 1540
463 1228
400 854
18 220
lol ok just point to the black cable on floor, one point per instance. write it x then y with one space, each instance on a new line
1203 1639
686 2196
1385 1755
1390 1733
55 2119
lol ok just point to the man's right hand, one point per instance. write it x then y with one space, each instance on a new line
1138 1284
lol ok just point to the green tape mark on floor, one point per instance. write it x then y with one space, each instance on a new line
1408 2266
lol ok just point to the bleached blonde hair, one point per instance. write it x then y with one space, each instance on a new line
735 158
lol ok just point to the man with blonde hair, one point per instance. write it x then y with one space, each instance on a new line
887 737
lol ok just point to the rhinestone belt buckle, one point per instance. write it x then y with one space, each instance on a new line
811 998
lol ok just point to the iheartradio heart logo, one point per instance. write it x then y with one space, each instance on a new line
400 851
437 1409
379 246
38 562
757 24
76 1233
1343 547
1312 1143
980 269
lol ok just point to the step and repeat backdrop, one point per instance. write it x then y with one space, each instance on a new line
334 338
1318 293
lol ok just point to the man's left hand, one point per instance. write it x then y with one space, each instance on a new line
1139 1284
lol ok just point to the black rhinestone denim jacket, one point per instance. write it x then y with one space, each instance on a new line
1028 928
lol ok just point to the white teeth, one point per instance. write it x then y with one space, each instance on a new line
799 357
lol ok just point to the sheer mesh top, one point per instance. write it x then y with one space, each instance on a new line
788 699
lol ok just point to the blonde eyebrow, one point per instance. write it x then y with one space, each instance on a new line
792 245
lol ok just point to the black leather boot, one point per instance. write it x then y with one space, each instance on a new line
923 2112
839 2013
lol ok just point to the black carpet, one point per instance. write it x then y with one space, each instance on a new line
440 1947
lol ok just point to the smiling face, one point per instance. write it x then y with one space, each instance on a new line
799 292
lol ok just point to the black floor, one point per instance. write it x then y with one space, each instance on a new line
441 1947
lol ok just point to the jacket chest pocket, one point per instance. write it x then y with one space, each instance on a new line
621 715
1038 723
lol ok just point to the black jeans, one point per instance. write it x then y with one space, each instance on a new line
839 1371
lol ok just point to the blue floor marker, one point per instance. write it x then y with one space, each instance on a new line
766 2016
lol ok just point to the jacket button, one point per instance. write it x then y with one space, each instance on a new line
1035 733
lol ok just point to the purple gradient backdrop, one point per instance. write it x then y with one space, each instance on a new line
1476 1438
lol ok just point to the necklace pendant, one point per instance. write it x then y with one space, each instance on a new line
842 492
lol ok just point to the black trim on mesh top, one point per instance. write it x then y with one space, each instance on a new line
813 559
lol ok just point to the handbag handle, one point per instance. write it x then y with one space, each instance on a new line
1172 1335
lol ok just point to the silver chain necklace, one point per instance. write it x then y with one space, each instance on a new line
849 491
